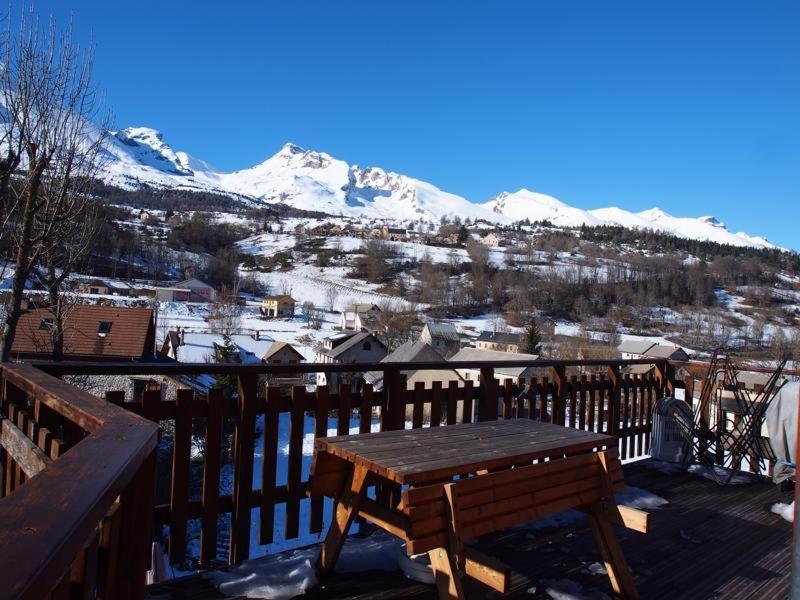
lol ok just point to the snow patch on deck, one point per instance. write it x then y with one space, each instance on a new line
286 575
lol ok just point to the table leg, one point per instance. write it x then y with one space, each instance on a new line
346 510
448 576
618 570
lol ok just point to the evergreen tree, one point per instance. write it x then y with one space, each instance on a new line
227 352
533 337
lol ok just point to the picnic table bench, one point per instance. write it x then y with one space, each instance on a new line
499 485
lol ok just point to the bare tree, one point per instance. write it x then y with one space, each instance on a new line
331 295
51 105
225 313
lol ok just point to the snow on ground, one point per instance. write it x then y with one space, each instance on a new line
721 474
566 589
634 497
786 511
266 244
287 575
328 286
193 317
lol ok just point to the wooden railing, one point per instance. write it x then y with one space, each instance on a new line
81 495
77 477
608 400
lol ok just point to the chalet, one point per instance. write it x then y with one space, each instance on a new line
490 356
362 317
106 287
171 294
631 349
412 352
634 349
204 346
282 353
91 333
501 341
442 337
280 306
348 347
491 239
199 291
394 234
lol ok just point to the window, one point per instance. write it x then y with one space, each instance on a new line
46 325
104 328
367 346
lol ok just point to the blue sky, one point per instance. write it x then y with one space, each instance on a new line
693 106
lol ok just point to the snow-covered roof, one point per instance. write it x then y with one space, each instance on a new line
352 342
501 337
438 329
195 283
635 346
478 354
199 347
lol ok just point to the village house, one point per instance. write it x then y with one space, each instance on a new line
491 239
442 337
501 341
415 352
362 317
635 349
394 234
347 348
203 346
91 333
199 291
106 287
280 306
209 347
171 294
489 356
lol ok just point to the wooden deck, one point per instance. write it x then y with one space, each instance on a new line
708 542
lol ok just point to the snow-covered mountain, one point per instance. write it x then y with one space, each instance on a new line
316 181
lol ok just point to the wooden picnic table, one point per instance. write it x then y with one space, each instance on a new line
498 485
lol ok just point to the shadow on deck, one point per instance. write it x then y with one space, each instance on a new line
708 542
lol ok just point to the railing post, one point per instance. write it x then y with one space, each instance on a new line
489 395
559 393
614 395
394 388
136 531
665 373
243 444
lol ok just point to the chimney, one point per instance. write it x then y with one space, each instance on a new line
181 339
256 335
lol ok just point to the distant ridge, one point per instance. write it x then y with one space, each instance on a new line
315 181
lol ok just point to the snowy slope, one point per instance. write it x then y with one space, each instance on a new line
525 204
316 181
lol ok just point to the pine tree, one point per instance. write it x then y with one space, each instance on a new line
533 337
227 352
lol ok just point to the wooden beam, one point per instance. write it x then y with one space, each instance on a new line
448 577
488 570
24 452
346 510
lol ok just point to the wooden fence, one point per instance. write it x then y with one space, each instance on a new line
609 402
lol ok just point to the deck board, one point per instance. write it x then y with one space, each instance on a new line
708 542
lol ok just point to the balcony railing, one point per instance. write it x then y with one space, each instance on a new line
72 463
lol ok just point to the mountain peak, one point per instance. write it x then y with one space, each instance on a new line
290 149
315 181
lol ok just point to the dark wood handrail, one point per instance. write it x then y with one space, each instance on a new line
47 521
178 368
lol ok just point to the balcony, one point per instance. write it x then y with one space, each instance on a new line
89 483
